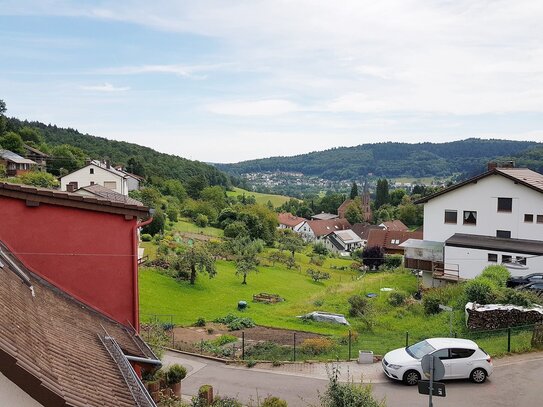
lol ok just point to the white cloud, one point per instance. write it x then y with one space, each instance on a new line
175 69
270 107
105 87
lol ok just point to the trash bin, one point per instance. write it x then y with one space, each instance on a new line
242 305
365 357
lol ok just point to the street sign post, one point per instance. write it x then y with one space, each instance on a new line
432 367
438 388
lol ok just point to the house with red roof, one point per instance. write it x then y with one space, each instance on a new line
289 221
316 230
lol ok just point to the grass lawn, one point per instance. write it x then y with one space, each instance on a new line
276 200
184 225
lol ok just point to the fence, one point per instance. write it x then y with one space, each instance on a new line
279 345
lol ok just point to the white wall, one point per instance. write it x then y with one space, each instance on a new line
132 183
483 198
471 262
13 395
83 177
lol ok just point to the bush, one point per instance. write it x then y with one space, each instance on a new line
201 220
317 275
271 401
146 237
250 363
226 402
200 322
397 298
480 290
344 339
498 274
518 297
320 248
224 339
235 323
393 261
316 346
430 302
235 229
176 373
316 260
360 306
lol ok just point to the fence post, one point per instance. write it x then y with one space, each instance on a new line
242 345
350 343
294 349
406 339
508 339
201 346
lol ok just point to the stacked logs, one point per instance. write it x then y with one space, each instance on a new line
480 317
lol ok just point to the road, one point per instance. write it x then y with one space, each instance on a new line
516 382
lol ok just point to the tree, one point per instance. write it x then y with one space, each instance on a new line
2 117
173 187
150 197
246 250
373 257
31 135
13 142
195 185
65 157
290 241
235 229
157 225
396 196
317 275
354 190
353 212
195 259
135 166
215 196
382 196
39 179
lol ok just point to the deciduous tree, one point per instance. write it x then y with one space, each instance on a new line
195 259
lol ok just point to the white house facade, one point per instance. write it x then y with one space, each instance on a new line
494 218
95 173
342 241
13 395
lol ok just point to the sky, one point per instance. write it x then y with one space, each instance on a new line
226 81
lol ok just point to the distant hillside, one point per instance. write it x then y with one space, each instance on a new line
263 199
119 152
393 160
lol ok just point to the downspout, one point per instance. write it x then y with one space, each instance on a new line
135 245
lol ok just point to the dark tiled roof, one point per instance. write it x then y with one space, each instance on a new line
323 227
388 238
324 216
289 219
62 198
109 194
396 224
50 345
524 246
523 176
35 151
363 229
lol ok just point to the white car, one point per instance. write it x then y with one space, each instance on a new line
462 358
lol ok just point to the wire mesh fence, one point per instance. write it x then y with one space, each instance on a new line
283 345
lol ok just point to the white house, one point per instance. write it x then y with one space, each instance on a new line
289 221
93 173
493 218
312 230
342 241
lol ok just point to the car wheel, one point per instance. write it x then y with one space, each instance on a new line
478 375
411 377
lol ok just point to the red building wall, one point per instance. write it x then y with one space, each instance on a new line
88 254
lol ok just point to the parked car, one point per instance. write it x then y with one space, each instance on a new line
536 288
530 278
462 358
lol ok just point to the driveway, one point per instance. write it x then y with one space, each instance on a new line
515 382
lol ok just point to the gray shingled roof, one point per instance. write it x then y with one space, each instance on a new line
16 158
109 194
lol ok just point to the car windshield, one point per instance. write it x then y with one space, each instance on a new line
419 349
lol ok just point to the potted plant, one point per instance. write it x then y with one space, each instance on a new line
152 383
205 394
176 373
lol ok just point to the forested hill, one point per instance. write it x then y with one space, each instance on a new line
122 153
396 159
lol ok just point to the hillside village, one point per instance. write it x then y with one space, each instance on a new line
92 220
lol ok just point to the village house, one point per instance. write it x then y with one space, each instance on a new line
40 158
96 172
289 221
15 164
391 240
342 241
69 294
363 231
493 218
324 216
315 230
364 205
395 225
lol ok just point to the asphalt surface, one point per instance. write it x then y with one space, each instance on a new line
516 381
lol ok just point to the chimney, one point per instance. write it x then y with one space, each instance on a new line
88 161
510 164
492 166
108 164
71 187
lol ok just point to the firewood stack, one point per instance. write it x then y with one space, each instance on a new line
480 318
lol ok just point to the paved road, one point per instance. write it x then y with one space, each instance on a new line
516 382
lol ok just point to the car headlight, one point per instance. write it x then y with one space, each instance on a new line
395 367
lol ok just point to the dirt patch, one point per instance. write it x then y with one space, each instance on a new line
257 334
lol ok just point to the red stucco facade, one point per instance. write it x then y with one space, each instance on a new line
91 255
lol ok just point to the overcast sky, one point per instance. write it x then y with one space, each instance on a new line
225 81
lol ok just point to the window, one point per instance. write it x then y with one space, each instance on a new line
492 257
91 171
507 259
451 216
461 353
505 204
528 217
470 217
503 233
92 182
442 354
110 184
539 219
521 260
